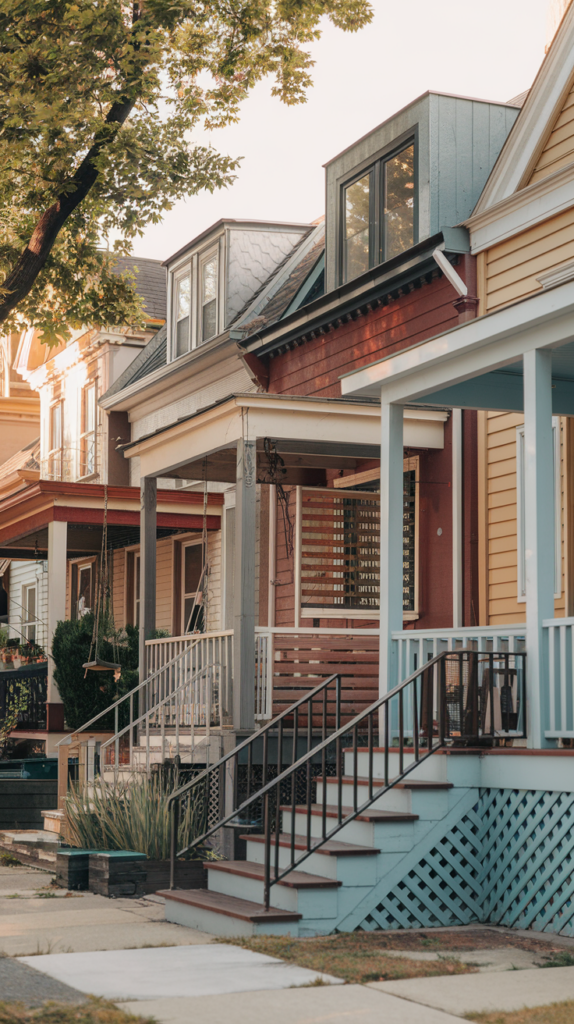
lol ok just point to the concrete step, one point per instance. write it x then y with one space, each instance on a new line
359 831
224 915
299 891
340 861
433 769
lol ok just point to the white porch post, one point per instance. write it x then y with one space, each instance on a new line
538 531
391 571
456 518
57 563
244 588
148 540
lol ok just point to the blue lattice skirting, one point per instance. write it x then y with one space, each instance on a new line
508 860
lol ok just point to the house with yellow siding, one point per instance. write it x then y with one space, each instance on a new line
514 364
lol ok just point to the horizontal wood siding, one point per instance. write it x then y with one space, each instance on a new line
302 662
559 148
214 593
119 583
501 511
164 584
315 367
23 574
512 268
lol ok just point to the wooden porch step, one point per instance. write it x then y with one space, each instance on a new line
250 869
407 784
331 849
332 811
230 906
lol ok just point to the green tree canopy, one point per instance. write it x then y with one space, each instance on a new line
98 102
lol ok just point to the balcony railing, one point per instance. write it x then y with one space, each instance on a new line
559 646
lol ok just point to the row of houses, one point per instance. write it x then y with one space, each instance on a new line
342 446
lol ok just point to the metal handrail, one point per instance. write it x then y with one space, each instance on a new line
205 670
248 744
422 707
130 694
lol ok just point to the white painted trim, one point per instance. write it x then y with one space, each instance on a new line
522 210
559 275
450 273
539 112
457 607
298 554
272 556
543 320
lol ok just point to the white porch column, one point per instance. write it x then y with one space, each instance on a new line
391 571
57 564
538 531
148 541
244 588
456 518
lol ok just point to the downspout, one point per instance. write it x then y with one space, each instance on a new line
466 305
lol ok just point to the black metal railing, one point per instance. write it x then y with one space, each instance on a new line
25 690
457 698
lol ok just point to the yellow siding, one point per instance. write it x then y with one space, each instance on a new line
499 508
214 592
559 148
164 584
513 266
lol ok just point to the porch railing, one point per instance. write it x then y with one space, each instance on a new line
24 691
558 638
213 648
413 647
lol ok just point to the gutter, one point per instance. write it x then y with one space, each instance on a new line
396 276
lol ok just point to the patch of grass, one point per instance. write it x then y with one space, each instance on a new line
561 959
95 1011
556 1013
354 957
8 861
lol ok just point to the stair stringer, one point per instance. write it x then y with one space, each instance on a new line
436 884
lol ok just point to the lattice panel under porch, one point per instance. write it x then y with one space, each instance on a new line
508 861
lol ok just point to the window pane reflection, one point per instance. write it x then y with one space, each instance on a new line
357 217
399 203
183 305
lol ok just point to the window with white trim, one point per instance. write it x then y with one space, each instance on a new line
521 506
56 452
88 432
208 296
30 612
194 315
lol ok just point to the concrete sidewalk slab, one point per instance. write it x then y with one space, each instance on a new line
501 958
470 993
182 971
351 1004
87 922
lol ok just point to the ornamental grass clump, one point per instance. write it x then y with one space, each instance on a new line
132 815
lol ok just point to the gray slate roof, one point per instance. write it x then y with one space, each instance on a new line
147 360
150 282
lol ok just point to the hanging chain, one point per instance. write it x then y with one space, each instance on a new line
277 464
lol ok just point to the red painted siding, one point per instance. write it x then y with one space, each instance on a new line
315 367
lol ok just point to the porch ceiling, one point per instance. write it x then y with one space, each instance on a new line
478 365
310 434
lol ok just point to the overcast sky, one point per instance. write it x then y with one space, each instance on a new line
491 50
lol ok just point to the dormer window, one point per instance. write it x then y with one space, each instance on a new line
195 302
182 338
378 212
209 297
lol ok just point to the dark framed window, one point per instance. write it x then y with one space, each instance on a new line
379 212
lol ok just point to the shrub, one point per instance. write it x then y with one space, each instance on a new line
131 816
85 694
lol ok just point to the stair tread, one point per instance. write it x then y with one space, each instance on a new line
231 906
332 811
332 848
250 869
406 784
